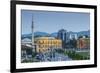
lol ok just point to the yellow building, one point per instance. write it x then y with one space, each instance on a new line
46 43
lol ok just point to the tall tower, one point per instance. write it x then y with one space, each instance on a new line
32 31
33 45
62 34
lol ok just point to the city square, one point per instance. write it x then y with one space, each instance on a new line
62 45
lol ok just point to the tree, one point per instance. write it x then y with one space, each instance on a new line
73 43
80 36
86 36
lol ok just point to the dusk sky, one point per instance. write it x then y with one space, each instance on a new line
50 22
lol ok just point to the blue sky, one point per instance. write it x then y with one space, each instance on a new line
47 21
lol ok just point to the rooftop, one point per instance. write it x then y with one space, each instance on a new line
46 38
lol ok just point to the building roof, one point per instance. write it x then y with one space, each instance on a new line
62 30
45 38
26 40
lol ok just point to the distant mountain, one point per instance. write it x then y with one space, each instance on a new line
26 36
82 33
40 34
37 34
53 34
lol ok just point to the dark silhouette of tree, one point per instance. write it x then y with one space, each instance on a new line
80 36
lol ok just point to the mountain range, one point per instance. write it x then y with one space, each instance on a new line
38 34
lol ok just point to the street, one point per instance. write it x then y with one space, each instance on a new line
53 57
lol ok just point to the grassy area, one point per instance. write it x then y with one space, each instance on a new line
76 55
84 53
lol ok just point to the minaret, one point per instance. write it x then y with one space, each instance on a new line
33 34
32 31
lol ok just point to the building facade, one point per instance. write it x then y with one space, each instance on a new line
62 34
45 43
83 43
